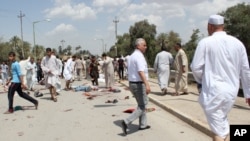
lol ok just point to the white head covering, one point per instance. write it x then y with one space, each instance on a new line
216 20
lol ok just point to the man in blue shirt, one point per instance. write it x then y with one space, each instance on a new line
16 84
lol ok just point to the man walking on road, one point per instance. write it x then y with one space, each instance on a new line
181 71
220 61
17 84
68 72
162 64
49 66
138 84
108 70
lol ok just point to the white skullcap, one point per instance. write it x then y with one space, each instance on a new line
216 20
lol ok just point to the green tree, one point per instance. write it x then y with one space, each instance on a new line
191 45
5 48
237 21
161 40
143 29
14 41
39 52
172 39
123 45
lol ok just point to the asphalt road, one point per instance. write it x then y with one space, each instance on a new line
75 117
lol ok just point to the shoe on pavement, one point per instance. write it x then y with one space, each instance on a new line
124 127
163 91
10 111
36 105
147 127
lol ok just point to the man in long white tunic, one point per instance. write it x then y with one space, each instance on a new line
31 74
162 64
59 67
23 63
49 66
220 61
68 72
108 70
181 71
4 72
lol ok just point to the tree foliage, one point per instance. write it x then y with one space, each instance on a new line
143 29
191 45
237 21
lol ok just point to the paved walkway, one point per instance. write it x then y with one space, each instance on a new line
187 108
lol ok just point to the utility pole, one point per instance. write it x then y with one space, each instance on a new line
21 21
116 21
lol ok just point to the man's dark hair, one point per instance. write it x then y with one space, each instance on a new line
12 53
104 54
48 49
73 56
178 44
164 47
21 57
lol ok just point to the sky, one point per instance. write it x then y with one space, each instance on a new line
90 23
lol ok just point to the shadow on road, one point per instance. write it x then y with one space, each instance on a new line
132 128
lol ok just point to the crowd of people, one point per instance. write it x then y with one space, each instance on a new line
51 70
220 62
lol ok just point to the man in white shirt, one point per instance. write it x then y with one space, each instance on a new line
220 61
139 86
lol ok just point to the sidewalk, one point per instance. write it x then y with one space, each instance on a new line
187 108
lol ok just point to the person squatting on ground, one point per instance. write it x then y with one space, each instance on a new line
220 62
50 66
181 71
68 72
162 64
138 85
31 74
17 84
108 70
93 71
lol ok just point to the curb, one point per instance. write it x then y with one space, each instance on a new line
196 124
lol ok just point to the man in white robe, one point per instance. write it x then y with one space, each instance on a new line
49 66
108 70
162 64
59 67
23 63
181 71
220 61
4 72
31 74
68 72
